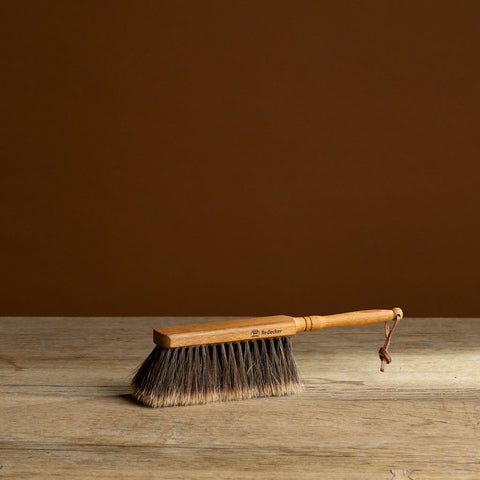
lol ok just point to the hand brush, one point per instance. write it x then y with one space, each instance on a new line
236 359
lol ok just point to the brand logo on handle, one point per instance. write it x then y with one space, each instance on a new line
265 333
273 331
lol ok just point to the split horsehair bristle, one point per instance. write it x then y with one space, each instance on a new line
209 373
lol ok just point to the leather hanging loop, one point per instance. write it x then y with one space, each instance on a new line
383 352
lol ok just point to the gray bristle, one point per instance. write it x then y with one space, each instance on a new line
210 373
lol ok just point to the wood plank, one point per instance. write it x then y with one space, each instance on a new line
65 408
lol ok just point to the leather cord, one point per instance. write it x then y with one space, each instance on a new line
383 352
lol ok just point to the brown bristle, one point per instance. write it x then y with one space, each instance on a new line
209 373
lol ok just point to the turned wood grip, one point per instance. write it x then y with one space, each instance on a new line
263 327
350 319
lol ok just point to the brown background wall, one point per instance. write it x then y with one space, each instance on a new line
239 157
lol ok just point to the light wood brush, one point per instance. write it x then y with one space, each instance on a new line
236 359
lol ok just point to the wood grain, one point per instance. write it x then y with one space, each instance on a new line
225 331
66 409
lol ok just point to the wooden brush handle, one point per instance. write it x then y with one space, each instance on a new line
264 327
350 319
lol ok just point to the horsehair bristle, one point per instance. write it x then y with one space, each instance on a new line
209 373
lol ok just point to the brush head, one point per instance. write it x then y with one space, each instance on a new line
208 373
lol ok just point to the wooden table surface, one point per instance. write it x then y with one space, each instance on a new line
66 410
